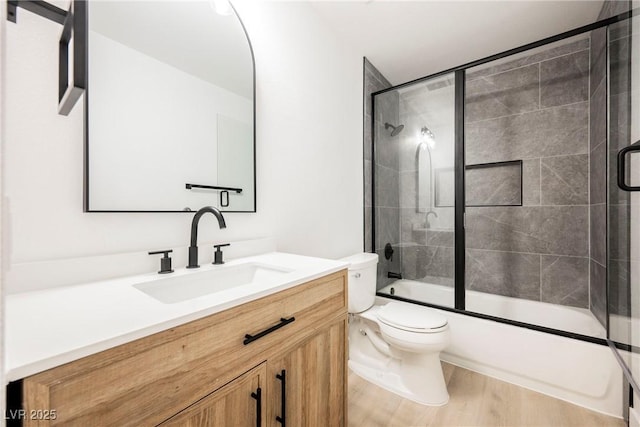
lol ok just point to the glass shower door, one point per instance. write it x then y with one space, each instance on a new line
414 194
623 204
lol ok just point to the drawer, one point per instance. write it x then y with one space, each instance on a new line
148 380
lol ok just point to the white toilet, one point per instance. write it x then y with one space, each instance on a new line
395 345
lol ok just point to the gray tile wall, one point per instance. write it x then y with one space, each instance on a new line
534 109
598 175
387 211
618 212
373 81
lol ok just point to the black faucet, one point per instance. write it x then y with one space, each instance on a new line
193 248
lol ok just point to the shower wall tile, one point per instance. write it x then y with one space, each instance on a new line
619 291
598 227
598 174
598 111
619 60
387 182
552 132
619 124
619 232
619 30
496 185
421 261
386 150
367 141
617 196
619 137
503 273
387 226
565 180
558 230
373 81
613 7
368 227
373 72
484 70
510 92
598 299
564 80
598 57
367 177
531 182
564 280
408 153
412 226
408 194
440 238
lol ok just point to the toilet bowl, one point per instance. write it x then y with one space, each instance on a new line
396 345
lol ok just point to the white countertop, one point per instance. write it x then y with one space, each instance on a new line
48 328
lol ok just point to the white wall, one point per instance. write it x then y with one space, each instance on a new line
309 151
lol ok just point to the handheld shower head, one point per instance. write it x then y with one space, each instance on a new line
396 129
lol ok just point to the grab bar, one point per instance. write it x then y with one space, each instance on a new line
213 187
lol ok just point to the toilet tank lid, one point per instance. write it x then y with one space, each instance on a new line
410 317
362 260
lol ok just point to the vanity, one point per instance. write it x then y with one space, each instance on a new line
269 352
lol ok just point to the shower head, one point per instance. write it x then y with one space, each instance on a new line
396 129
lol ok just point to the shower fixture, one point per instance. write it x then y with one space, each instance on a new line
396 129
428 137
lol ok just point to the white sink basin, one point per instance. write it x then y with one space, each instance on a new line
191 285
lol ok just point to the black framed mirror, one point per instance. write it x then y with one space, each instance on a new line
169 108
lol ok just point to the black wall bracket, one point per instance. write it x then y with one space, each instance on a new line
42 8
71 77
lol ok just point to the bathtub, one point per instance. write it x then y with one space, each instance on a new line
579 372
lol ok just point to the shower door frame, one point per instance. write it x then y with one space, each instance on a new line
459 168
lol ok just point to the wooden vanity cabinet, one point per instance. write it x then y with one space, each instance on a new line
203 374
308 383
237 404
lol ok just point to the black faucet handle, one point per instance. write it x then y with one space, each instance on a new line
165 261
217 256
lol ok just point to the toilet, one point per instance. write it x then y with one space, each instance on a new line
395 345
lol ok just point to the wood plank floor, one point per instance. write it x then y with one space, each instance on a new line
476 400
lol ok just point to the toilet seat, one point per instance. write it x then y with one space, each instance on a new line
411 318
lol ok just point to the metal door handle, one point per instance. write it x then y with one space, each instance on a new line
258 397
622 166
282 376
283 322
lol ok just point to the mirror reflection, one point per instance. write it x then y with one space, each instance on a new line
170 103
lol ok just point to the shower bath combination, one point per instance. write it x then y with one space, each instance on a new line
514 216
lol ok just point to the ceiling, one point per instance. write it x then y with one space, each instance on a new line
406 40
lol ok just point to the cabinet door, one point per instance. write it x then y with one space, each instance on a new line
240 403
310 381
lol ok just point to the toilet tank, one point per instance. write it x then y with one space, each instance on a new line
362 281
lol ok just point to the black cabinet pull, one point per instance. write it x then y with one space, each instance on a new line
282 376
622 161
283 322
258 397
